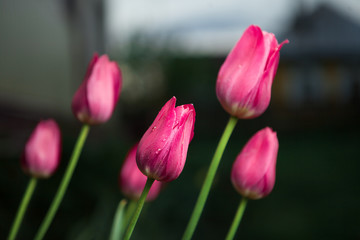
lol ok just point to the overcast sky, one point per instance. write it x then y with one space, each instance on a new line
210 26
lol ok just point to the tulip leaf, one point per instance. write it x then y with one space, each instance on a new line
117 226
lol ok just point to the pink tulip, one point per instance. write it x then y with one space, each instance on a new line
95 100
42 151
253 172
132 181
162 150
244 81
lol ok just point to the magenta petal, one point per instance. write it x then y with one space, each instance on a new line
42 151
100 92
80 106
154 144
180 143
253 172
248 70
163 148
246 63
132 180
95 100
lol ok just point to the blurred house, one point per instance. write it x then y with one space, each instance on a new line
45 48
44 51
319 71
317 84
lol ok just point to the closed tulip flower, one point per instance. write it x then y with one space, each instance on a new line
162 150
41 156
253 172
132 181
95 100
244 81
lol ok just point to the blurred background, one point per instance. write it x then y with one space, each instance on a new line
165 49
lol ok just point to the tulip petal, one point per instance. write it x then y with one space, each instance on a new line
262 96
160 130
95 100
245 62
163 148
100 90
253 172
132 180
244 81
42 151
180 143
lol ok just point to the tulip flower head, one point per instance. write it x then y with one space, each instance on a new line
132 181
162 150
244 81
95 100
41 156
253 172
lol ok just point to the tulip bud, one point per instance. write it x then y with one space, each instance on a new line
42 151
244 81
132 181
95 100
253 172
162 150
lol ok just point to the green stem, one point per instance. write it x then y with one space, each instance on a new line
209 179
22 208
64 183
139 207
237 219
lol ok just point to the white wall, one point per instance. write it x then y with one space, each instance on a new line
34 56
